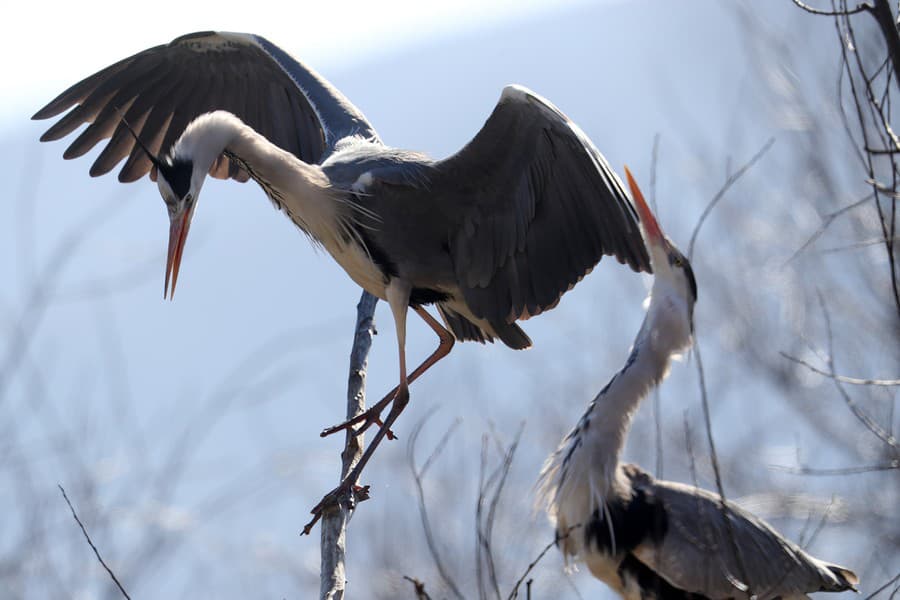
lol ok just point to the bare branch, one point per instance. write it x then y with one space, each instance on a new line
894 464
826 223
857 411
333 539
822 521
743 584
730 181
515 591
484 523
891 582
419 587
833 13
420 491
91 543
842 378
882 150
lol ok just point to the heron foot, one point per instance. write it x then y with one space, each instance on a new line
346 491
336 496
367 418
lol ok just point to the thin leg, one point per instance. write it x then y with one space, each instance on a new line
372 416
400 397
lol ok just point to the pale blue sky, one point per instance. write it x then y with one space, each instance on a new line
83 37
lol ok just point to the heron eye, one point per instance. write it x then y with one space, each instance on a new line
188 199
678 262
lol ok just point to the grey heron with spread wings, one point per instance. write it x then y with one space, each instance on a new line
491 235
651 539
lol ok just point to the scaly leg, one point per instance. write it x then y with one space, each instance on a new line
400 397
372 416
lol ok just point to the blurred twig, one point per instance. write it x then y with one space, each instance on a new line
91 543
857 410
842 378
515 591
889 583
485 523
729 181
894 464
833 13
418 475
419 587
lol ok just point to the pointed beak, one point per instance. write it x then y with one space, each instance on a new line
648 222
179 224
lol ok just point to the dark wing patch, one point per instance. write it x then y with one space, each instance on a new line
162 89
652 586
539 208
626 522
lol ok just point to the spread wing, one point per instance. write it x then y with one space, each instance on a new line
696 555
538 207
162 89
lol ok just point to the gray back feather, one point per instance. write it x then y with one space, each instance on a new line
696 552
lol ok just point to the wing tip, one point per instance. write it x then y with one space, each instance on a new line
847 578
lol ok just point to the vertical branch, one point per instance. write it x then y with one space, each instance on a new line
334 520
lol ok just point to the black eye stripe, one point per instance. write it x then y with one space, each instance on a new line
178 174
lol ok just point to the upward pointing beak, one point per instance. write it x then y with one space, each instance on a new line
179 223
648 221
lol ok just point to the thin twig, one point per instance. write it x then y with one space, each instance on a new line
833 13
418 475
515 591
894 464
842 378
744 583
857 411
812 538
419 586
91 543
730 181
827 220
892 581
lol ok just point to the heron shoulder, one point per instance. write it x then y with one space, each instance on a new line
359 163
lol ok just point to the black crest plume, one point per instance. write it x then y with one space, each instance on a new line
153 158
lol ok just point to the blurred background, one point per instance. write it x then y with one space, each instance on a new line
186 432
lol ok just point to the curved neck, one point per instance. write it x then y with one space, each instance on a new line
582 473
302 190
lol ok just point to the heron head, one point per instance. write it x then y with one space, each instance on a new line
179 188
671 268
179 185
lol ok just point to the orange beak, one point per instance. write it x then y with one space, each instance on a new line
179 224
648 221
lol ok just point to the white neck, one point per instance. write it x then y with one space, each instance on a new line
582 473
300 189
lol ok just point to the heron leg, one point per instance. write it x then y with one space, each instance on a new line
372 416
400 400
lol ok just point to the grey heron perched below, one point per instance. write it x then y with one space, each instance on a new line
647 538
492 234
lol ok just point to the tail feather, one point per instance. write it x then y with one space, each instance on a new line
465 330
512 335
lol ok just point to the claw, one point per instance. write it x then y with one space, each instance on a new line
358 493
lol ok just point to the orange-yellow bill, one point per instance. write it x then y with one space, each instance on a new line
179 225
648 221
